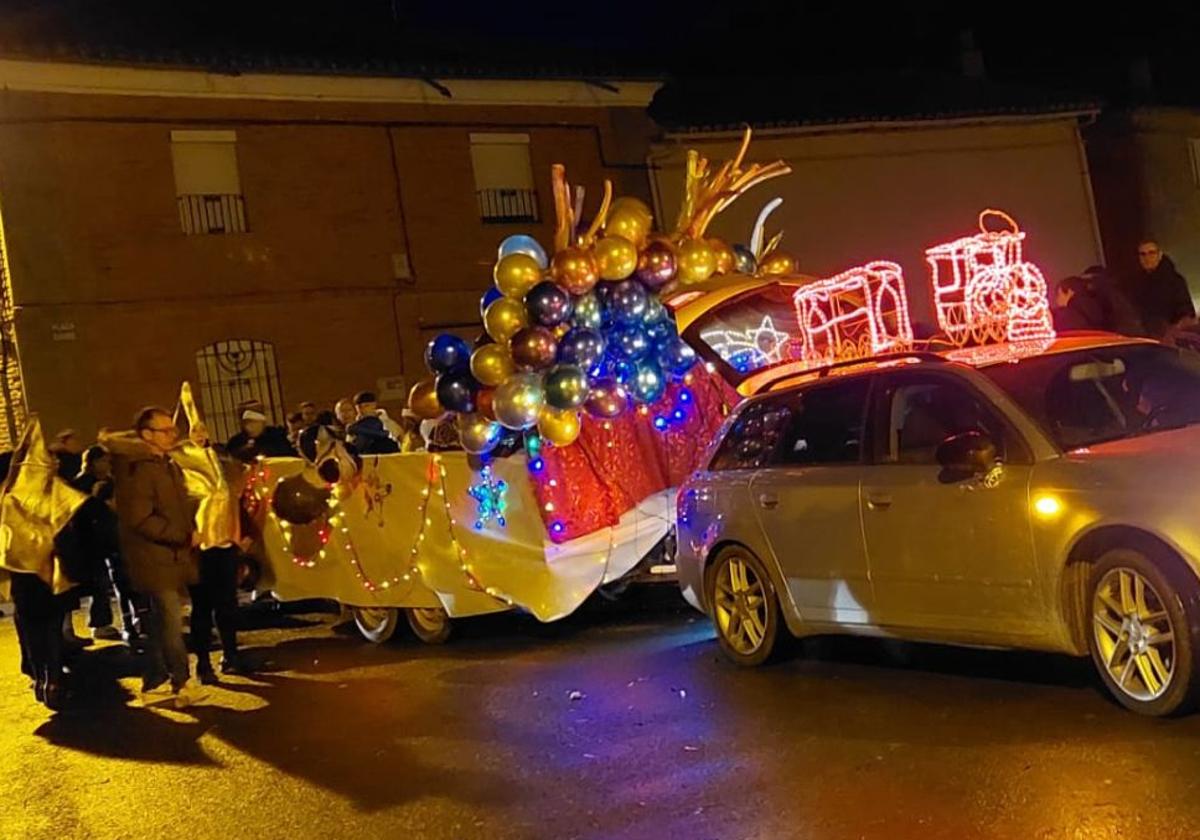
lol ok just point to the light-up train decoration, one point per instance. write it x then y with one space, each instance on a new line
860 312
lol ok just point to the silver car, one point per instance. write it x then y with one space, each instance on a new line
1041 497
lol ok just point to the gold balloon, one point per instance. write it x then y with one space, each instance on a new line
477 433
559 426
516 274
777 263
724 255
574 269
695 260
504 318
616 257
491 364
629 218
423 401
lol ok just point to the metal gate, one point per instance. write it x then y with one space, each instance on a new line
233 373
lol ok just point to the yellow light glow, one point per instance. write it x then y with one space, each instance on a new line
1047 506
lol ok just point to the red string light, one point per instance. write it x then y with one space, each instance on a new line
860 312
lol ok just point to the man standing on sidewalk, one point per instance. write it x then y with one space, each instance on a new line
158 541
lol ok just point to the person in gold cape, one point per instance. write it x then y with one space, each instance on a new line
215 484
35 507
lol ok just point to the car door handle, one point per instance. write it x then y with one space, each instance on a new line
768 500
879 501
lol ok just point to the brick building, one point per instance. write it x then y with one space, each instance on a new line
284 237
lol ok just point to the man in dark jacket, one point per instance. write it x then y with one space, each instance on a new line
1160 293
158 540
1075 307
258 440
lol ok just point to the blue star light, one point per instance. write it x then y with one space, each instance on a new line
490 495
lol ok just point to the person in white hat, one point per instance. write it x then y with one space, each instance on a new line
257 439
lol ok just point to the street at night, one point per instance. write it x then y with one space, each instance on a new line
621 722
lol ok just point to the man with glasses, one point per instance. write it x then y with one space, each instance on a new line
158 541
1160 292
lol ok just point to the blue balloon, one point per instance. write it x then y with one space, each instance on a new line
649 383
676 357
589 311
655 311
623 371
491 295
661 332
447 352
519 243
628 301
581 346
629 343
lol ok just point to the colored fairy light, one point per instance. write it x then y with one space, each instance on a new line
537 465
985 291
860 312
557 527
749 349
660 423
685 396
490 495
678 414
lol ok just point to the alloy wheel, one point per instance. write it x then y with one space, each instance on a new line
740 606
1134 634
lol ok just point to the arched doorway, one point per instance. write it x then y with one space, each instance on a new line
235 372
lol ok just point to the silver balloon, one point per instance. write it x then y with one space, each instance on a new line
588 311
478 434
520 243
518 402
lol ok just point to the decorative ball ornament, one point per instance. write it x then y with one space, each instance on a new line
423 400
777 264
657 265
627 301
607 399
456 390
575 270
516 274
581 346
491 364
723 253
655 311
505 318
533 348
548 304
630 219
616 257
520 243
744 261
630 343
447 352
478 434
695 261
676 357
559 426
566 387
649 383
491 295
589 312
297 501
518 402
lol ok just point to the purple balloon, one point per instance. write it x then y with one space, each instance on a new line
581 346
630 343
456 390
628 302
548 304
676 357
607 398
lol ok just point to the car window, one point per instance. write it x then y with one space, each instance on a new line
919 412
827 425
753 436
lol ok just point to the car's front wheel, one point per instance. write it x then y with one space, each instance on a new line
1141 634
744 608
376 624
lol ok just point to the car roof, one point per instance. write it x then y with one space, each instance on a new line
794 375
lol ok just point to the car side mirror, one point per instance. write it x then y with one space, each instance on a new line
967 455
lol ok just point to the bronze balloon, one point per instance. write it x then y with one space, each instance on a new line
491 364
723 253
423 400
777 263
516 274
558 426
629 218
478 434
574 269
484 403
533 348
695 261
616 257
504 318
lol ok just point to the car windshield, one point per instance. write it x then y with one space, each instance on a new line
1091 396
752 331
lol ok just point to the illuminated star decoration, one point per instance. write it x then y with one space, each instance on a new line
750 349
490 495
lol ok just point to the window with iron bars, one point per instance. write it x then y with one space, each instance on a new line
507 206
212 214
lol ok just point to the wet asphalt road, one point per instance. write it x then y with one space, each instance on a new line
621 722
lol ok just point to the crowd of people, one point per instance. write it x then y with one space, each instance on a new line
150 534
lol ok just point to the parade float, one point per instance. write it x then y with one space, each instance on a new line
584 403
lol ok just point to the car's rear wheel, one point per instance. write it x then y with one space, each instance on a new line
745 610
429 624
376 624
1140 633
